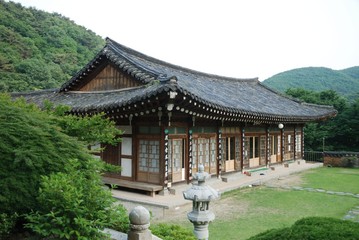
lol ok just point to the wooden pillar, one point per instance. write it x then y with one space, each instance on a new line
295 142
219 147
134 152
267 156
242 146
190 155
166 157
302 139
282 144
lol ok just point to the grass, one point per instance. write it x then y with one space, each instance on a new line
274 208
333 179
265 208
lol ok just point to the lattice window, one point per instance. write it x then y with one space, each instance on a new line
175 153
298 143
149 155
204 153
194 153
238 149
213 150
262 150
224 150
246 151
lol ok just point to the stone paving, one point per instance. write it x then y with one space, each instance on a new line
160 205
352 215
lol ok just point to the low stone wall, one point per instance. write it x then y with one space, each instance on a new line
341 159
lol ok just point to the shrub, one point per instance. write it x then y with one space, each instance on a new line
74 204
171 232
30 146
37 154
314 228
7 223
121 223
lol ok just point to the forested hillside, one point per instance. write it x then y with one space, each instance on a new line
345 82
40 50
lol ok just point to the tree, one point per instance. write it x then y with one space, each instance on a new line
30 146
41 49
38 73
339 133
90 129
347 128
44 173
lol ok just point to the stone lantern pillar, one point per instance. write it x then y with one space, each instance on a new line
201 194
139 224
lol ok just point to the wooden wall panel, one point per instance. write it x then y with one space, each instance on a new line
110 154
110 78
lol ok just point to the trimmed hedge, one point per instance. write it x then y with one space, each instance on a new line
171 232
314 228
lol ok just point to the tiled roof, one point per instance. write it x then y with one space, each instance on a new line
94 101
234 97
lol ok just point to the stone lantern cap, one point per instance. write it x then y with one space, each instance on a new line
139 218
201 192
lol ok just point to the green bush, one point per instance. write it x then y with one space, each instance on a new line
31 146
171 232
317 228
121 223
74 204
7 223
50 177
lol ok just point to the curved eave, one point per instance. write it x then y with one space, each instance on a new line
144 100
132 101
200 106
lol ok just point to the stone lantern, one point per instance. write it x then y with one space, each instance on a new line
201 194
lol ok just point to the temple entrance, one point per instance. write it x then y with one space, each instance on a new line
274 148
204 151
229 153
148 161
176 161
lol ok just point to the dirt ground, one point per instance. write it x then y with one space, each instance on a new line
224 207
290 180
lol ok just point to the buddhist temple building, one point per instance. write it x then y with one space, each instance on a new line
174 119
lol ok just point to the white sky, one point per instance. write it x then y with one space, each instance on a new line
252 38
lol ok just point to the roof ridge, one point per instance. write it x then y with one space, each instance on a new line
296 99
317 105
117 50
35 92
107 91
281 94
174 66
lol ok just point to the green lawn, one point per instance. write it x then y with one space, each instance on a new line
333 179
276 208
259 209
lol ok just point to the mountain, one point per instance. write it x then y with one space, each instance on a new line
345 82
41 50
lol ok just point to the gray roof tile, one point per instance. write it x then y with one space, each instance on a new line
247 96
